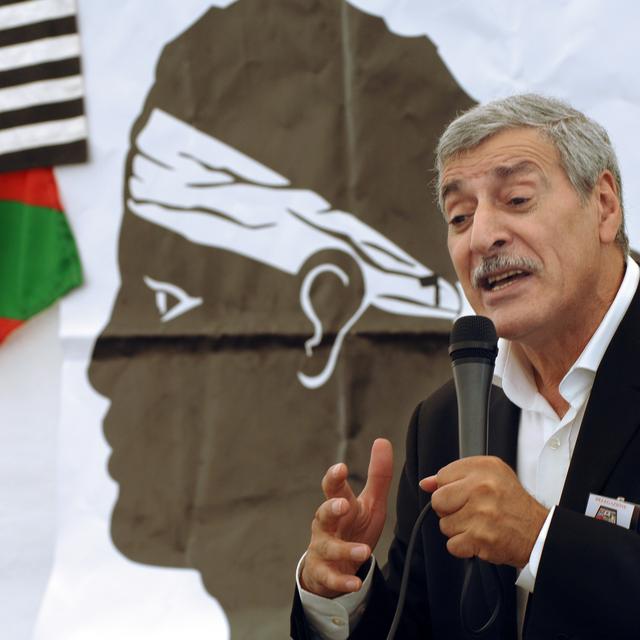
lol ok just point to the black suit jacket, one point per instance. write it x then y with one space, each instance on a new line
588 581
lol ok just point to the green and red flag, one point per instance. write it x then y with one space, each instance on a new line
38 256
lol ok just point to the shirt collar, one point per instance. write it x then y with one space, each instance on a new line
516 378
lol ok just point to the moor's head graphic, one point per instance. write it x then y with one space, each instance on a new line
286 288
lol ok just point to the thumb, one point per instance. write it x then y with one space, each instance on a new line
429 484
380 472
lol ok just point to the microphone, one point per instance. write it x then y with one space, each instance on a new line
473 347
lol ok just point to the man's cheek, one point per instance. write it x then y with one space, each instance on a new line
459 256
472 294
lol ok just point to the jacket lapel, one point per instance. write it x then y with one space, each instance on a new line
611 418
504 419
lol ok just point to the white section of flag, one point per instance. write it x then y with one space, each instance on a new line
42 92
23 13
43 134
37 51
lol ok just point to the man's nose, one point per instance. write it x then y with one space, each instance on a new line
489 231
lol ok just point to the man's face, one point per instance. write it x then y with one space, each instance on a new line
510 198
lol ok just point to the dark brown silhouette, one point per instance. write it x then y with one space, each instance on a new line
217 448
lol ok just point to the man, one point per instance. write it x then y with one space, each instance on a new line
531 192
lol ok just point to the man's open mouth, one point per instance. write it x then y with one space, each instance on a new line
497 281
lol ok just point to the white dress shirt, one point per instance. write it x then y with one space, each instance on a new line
545 445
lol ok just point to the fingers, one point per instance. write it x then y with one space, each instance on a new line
455 524
485 511
450 473
325 579
379 474
463 547
328 515
472 465
335 485
346 528
476 535
450 498
429 484
329 549
451 487
331 562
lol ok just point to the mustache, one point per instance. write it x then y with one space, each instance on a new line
500 263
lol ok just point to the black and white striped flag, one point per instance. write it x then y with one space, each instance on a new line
42 121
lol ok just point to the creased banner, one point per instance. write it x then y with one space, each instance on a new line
281 293
285 281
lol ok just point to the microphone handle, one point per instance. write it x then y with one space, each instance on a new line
472 378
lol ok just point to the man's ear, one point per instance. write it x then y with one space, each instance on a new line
332 296
609 207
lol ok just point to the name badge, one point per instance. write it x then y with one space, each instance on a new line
616 511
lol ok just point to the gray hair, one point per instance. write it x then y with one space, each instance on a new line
583 145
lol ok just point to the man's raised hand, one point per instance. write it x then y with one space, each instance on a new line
346 528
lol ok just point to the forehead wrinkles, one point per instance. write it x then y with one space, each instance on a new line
489 157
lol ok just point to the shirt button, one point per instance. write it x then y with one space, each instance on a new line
339 622
554 443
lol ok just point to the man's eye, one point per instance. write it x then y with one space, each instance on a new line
459 220
183 301
518 201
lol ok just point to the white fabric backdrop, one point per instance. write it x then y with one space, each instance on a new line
578 50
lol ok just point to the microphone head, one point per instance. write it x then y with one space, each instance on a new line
473 337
